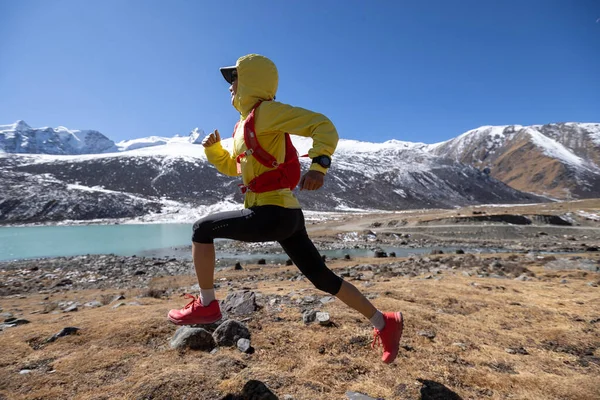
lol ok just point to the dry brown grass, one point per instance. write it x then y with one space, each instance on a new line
124 353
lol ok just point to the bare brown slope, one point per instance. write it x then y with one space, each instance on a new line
524 167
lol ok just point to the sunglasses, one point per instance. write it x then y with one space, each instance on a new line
234 76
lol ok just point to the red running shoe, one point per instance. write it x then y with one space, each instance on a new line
390 336
195 313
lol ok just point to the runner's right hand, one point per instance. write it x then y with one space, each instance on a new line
211 139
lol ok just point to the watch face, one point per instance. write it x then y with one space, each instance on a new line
325 162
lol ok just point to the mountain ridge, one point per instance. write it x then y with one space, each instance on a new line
159 175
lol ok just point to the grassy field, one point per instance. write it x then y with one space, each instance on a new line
552 328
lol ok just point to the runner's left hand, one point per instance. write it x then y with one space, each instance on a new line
312 180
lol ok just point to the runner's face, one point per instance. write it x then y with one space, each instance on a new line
233 87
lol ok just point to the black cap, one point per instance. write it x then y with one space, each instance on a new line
228 73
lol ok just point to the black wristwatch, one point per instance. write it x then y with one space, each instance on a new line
323 161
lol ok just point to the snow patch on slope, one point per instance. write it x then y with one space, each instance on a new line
552 148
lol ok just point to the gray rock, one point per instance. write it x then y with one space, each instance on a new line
581 264
240 303
359 396
229 332
93 304
24 371
256 390
516 350
117 298
367 276
460 345
427 333
327 299
118 305
71 308
10 322
309 316
193 338
69 330
244 346
323 318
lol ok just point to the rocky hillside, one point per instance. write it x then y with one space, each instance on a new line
558 160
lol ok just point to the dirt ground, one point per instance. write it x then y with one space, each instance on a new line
467 335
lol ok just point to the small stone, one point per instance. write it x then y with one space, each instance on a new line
93 304
323 318
240 303
309 299
367 275
16 321
24 371
309 316
347 257
427 333
244 346
392 254
358 396
118 298
254 389
326 299
592 284
229 332
380 254
139 272
238 266
460 251
289 262
516 350
193 338
69 330
71 308
262 261
118 305
460 345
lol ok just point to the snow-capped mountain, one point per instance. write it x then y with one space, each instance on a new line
21 138
169 176
172 175
559 160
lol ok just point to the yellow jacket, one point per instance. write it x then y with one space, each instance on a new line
258 80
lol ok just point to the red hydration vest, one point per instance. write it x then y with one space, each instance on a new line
284 175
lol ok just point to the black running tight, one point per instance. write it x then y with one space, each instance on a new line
266 224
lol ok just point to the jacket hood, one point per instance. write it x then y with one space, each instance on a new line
257 80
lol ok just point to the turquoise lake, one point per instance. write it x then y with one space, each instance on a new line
153 240
125 240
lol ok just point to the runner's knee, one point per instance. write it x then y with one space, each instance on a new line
202 231
326 281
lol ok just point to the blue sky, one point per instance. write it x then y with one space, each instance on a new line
421 71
